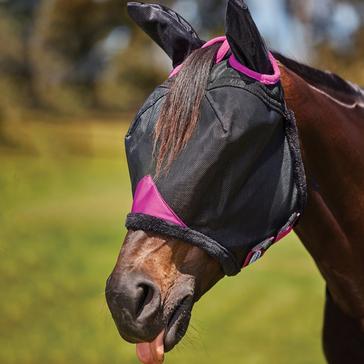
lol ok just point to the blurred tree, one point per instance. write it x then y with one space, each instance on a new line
70 55
15 29
14 67
63 59
132 72
348 65
77 48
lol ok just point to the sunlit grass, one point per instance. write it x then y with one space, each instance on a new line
63 204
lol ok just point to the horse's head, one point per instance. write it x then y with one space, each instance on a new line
215 171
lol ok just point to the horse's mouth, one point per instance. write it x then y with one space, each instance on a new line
178 322
175 328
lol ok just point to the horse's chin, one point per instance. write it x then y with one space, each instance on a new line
177 323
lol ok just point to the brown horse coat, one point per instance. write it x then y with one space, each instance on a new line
331 129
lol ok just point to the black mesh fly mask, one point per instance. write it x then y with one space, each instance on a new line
238 186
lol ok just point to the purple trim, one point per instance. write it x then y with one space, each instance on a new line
234 63
148 201
266 79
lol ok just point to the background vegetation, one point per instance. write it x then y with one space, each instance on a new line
72 73
61 225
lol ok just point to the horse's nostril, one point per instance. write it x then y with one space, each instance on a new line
145 294
133 294
135 303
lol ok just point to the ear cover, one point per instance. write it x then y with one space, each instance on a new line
244 38
167 28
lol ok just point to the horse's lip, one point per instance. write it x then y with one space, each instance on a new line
178 323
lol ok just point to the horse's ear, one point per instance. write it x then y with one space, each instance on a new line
244 38
167 28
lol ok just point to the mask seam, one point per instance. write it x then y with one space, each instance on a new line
135 124
275 105
216 113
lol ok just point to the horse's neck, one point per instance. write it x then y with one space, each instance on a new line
332 228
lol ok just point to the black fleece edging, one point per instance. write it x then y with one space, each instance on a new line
144 222
298 167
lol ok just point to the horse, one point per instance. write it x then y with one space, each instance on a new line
158 278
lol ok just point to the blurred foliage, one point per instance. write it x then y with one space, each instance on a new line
350 66
71 66
63 56
77 56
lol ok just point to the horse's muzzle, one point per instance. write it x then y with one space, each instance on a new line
135 304
141 315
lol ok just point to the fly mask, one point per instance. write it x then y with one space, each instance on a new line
238 186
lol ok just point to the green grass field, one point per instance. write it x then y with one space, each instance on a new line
63 202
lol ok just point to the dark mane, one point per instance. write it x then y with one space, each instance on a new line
181 109
323 80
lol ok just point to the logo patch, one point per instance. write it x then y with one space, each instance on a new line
256 256
258 251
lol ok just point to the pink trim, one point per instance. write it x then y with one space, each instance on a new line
224 49
284 233
214 41
148 201
258 251
220 55
266 79
175 71
248 259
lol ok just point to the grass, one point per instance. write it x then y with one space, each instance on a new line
63 204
